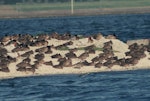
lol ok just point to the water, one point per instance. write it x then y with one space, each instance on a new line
106 86
124 26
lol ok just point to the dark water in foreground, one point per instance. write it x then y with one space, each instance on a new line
110 86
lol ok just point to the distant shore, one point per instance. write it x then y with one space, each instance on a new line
80 12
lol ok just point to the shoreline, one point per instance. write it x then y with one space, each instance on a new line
44 54
79 12
74 73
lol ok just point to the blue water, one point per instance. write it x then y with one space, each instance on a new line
124 26
106 86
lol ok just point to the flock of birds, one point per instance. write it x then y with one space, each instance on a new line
23 43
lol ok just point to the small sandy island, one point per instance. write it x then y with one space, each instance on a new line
46 54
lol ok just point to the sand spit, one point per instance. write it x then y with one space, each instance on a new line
46 54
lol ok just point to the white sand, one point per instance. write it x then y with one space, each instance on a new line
48 70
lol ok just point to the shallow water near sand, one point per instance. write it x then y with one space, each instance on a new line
106 86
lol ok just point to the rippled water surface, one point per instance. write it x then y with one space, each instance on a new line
110 86
124 26
106 86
